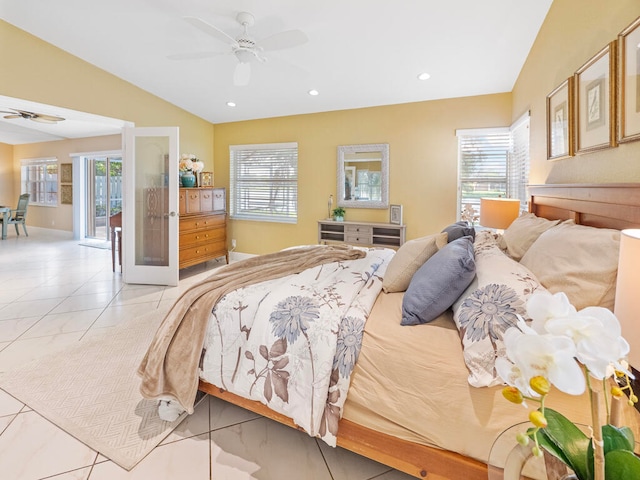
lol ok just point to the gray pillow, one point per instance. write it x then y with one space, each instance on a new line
439 282
460 229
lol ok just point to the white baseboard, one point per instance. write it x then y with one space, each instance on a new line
237 256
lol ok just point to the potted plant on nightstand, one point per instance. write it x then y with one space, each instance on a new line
338 214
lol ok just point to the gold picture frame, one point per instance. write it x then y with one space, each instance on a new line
66 194
629 97
206 179
560 135
66 173
595 102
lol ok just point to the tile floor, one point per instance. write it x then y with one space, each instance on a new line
52 293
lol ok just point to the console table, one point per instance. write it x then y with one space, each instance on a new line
203 225
361 233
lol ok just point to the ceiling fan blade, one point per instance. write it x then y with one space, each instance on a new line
209 29
194 55
15 115
44 119
282 40
242 74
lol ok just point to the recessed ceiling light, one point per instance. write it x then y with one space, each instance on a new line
231 104
314 92
424 76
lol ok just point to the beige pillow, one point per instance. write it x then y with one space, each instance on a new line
408 259
521 234
578 260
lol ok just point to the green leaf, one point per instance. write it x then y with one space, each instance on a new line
570 440
621 465
617 438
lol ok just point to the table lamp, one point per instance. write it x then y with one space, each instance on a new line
627 306
498 213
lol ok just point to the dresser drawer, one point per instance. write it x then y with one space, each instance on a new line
358 230
202 237
206 200
358 239
197 222
201 253
193 200
219 200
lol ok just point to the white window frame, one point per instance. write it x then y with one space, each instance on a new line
263 182
507 144
44 189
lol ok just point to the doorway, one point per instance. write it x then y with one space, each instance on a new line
103 194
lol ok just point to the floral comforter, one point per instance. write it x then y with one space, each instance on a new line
291 343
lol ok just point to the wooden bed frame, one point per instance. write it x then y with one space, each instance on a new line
599 205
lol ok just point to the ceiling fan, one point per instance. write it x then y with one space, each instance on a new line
246 49
36 117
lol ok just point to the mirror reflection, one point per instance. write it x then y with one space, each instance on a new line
363 176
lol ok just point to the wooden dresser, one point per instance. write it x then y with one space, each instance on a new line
203 225
361 233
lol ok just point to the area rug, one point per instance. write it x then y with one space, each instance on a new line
91 391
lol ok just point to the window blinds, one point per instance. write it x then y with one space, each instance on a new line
264 182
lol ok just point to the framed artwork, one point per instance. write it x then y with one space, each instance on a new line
595 100
206 179
629 98
395 214
66 173
66 194
560 121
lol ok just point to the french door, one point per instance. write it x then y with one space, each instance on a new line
150 206
103 194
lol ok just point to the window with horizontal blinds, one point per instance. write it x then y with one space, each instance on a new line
493 162
483 165
264 182
39 178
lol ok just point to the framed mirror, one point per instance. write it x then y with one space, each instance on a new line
363 176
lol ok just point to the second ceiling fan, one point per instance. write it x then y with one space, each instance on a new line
246 49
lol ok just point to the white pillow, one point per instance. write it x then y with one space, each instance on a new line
489 306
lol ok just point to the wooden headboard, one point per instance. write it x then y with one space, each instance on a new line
608 205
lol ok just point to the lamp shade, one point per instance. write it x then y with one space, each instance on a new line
627 306
498 212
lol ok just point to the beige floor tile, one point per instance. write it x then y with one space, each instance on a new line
80 474
83 302
346 465
5 421
264 449
26 308
57 323
8 404
51 291
143 294
185 459
117 314
33 448
224 414
393 475
13 328
192 425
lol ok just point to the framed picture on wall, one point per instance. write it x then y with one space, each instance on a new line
206 179
629 98
66 173
395 214
66 194
595 95
560 121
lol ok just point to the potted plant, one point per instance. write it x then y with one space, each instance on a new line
338 214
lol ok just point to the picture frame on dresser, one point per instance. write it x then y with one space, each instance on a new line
206 179
395 214
560 121
629 95
595 101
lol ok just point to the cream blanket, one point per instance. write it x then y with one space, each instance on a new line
170 366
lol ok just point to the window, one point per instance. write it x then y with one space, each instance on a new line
39 178
493 162
264 182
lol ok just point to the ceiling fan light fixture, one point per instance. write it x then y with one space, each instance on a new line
313 92
231 104
424 76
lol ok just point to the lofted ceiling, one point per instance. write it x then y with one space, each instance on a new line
359 53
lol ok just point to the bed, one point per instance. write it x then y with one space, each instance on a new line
450 426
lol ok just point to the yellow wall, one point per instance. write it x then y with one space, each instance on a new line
572 33
423 152
58 78
6 176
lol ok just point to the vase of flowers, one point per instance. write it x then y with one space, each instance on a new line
189 167
573 351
